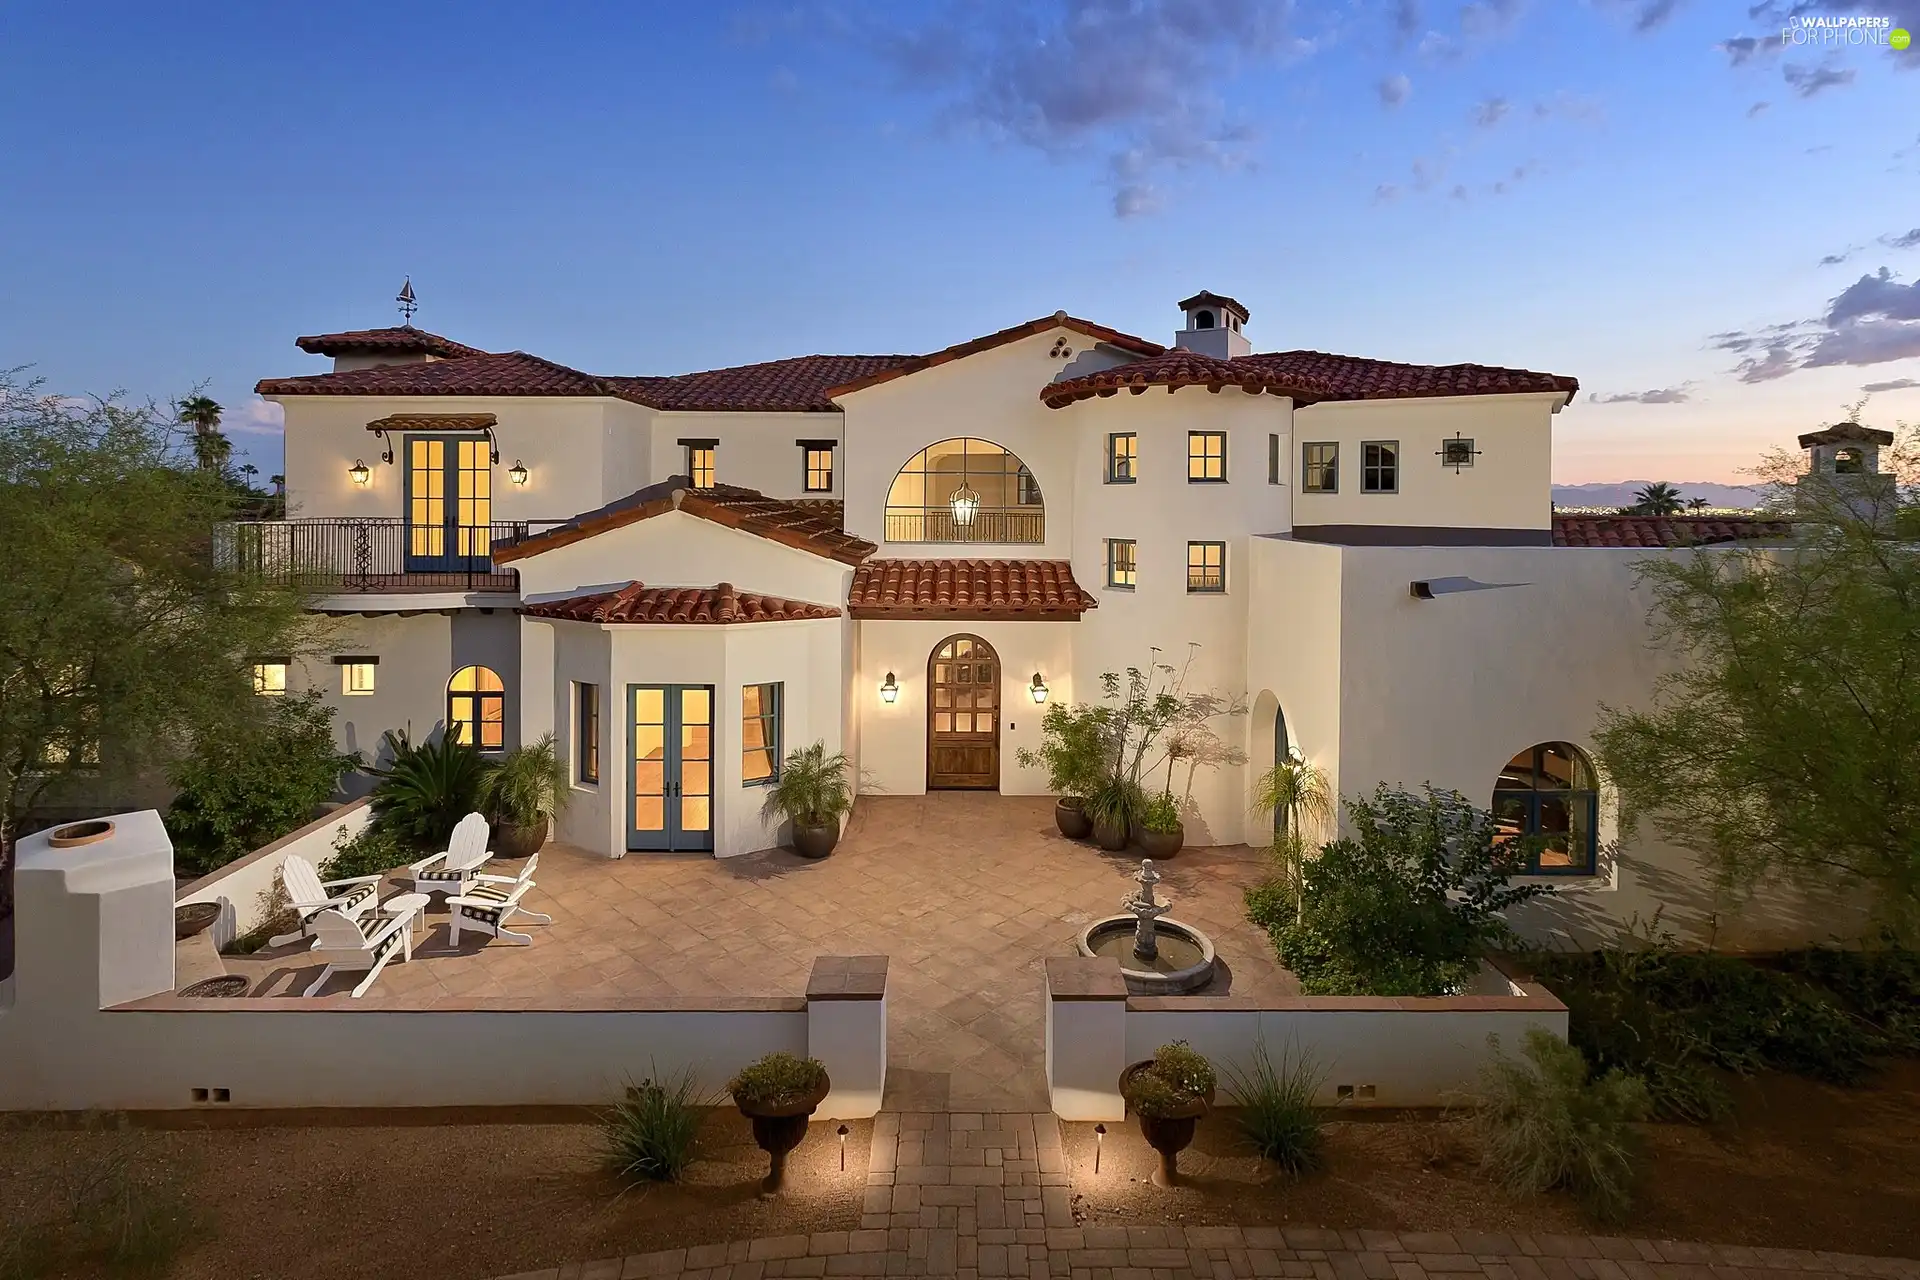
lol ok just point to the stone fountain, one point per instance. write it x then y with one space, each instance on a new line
1158 956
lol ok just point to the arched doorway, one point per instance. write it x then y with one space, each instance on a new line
963 715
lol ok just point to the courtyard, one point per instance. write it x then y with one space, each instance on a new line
967 892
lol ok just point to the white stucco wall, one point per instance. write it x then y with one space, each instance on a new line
756 450
244 887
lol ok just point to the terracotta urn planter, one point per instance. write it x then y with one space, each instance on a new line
1163 844
1114 838
815 842
1167 1134
195 917
520 840
779 1129
1072 820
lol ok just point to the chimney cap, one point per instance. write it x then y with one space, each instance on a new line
1206 297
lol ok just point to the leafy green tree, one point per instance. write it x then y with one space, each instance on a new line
1788 739
1656 499
244 790
211 448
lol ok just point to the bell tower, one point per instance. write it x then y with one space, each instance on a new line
1845 472
1213 326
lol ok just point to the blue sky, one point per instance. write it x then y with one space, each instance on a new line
1591 187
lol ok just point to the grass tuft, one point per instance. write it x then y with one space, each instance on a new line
651 1134
1277 1114
1545 1124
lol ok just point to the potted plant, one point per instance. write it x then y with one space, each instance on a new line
521 795
1161 833
425 790
1112 807
1168 1093
1073 750
813 794
778 1093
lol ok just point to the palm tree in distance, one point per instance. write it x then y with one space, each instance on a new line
211 449
1696 504
1657 499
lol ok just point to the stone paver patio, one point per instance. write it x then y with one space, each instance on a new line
968 892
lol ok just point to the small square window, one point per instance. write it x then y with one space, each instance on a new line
1320 468
1206 567
818 464
1380 466
270 678
1123 454
1120 562
1206 457
760 729
357 678
1458 452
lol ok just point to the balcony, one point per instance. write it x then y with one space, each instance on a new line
1020 526
383 556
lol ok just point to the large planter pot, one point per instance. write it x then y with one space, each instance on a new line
815 842
517 840
1111 837
195 917
1072 820
1163 844
1171 1134
778 1130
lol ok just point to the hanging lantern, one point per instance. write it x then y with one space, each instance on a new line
359 473
518 473
965 504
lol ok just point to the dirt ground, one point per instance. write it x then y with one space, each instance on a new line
1804 1166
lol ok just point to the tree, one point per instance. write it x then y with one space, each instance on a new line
1656 499
1696 504
1788 741
121 645
211 448
1296 794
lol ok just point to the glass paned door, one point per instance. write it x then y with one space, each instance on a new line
449 502
672 767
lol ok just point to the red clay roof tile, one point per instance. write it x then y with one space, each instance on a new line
799 384
1661 531
1058 320
718 605
967 589
399 340
507 373
748 510
1308 376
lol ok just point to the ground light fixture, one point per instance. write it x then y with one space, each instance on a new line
842 1131
360 473
518 473
1038 689
1099 1140
889 689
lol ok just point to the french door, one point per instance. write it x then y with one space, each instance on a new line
449 503
670 767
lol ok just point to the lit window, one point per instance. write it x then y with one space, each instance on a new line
477 709
760 733
817 465
270 678
1319 468
1206 567
1120 562
1380 466
1123 452
700 461
357 675
1549 791
586 728
1206 457
965 490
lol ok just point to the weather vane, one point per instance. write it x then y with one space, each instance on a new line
405 298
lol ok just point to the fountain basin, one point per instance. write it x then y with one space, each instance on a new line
1184 965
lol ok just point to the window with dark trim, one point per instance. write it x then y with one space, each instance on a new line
1123 453
700 460
760 733
358 672
1320 468
1273 459
1206 457
1206 568
816 465
1121 560
477 709
1550 791
586 731
270 677
1380 466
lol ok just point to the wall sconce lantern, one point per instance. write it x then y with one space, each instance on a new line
518 473
889 689
1038 688
965 504
360 473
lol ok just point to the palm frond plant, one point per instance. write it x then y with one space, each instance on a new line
426 789
523 793
1296 794
813 793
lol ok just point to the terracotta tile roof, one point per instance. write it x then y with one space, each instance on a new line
434 422
398 341
1308 376
1661 531
1058 320
1208 296
748 510
1846 433
718 605
799 384
507 373
967 589
829 509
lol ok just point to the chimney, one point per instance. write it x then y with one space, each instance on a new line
1213 326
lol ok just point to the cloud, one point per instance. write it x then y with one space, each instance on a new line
1757 108
1406 22
1459 191
1835 259
1898 384
1386 193
1491 112
1911 240
1653 14
1568 106
256 417
1741 50
1874 320
1808 81
1484 19
1135 81
1395 90
784 81
1661 395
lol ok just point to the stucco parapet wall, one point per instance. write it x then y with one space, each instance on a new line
847 978
1542 1003
1089 978
267 851
492 1004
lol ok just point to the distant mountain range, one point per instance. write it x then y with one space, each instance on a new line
1620 494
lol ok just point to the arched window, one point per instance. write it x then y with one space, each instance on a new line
1849 462
1549 790
477 709
1203 319
965 490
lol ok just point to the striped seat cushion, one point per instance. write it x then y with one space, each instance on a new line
355 898
495 900
444 875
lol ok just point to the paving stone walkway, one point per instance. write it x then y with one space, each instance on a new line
978 1196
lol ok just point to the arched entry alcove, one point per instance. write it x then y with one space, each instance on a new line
963 715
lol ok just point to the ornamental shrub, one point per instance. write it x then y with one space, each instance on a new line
778 1080
1544 1124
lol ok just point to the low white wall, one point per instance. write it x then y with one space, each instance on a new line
242 887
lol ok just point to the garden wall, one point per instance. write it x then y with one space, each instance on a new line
92 1021
1375 1051
242 886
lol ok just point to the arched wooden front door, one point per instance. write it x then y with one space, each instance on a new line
963 715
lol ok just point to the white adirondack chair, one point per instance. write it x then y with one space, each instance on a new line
487 906
309 896
453 871
351 945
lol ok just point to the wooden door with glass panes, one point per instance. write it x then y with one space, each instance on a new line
670 767
963 716
449 497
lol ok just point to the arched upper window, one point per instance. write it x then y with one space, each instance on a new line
965 490
477 709
1203 319
1549 790
1849 462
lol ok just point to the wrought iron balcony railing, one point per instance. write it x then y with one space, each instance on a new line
376 555
1025 526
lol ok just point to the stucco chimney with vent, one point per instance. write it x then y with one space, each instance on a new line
1213 326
